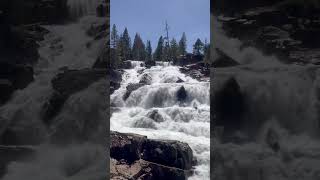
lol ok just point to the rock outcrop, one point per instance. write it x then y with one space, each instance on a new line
229 105
279 30
199 71
136 157
130 88
66 84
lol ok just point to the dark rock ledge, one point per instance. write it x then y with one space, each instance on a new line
291 36
137 157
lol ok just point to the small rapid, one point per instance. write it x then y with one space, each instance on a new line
187 121
281 109
64 47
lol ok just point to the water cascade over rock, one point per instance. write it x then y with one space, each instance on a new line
172 115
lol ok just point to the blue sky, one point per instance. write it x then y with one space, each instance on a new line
148 18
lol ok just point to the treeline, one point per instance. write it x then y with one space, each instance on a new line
123 49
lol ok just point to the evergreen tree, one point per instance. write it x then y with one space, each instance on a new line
158 54
149 51
174 50
138 49
114 49
166 56
183 45
114 37
126 45
198 47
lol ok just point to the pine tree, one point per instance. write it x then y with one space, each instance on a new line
126 45
183 45
158 54
174 50
166 56
198 47
149 51
114 37
114 49
138 49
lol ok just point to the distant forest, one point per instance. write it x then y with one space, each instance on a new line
168 49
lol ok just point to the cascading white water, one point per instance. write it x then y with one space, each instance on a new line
64 46
79 8
280 98
187 122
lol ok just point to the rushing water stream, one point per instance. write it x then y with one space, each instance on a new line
187 121
280 98
64 46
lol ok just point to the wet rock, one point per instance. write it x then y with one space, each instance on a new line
146 79
115 77
145 123
18 74
180 81
223 60
126 146
6 89
136 157
154 115
168 153
228 104
66 84
103 59
272 140
130 88
33 11
181 94
149 64
103 9
277 41
305 56
126 65
98 30
114 86
144 170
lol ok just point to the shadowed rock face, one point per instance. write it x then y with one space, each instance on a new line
136 156
66 84
229 104
277 31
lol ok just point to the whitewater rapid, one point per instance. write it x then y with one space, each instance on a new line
280 98
187 122
66 46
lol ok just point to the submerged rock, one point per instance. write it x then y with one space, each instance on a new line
224 60
149 64
66 84
130 88
181 94
146 79
154 115
228 105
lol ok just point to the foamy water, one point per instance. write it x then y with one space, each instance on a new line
188 122
280 98
64 46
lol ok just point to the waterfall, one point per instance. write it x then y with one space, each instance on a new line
79 8
279 137
187 121
82 116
